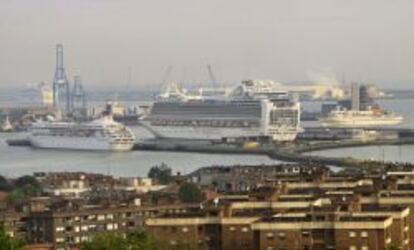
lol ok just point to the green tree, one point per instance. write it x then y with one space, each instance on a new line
190 192
5 185
26 180
139 240
161 173
106 241
393 247
9 243
25 186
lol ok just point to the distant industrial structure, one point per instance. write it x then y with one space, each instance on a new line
360 99
78 99
60 80
75 100
355 96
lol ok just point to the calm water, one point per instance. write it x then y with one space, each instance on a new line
15 161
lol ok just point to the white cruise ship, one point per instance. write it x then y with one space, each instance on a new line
359 118
246 112
100 134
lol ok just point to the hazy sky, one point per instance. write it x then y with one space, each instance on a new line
283 40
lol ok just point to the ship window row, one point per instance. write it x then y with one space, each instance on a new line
212 123
284 122
85 133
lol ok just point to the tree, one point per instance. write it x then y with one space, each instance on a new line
5 185
393 247
139 240
25 186
106 241
25 181
190 192
161 173
9 243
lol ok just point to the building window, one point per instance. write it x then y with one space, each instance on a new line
59 240
305 233
364 234
352 235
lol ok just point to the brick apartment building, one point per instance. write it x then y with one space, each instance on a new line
300 209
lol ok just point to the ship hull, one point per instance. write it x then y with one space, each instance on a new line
78 143
213 133
355 123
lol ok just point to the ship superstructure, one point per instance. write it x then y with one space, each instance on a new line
246 112
100 134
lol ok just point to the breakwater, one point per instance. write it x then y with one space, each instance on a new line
289 152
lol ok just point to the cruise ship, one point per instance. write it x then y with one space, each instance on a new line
248 111
361 118
101 134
